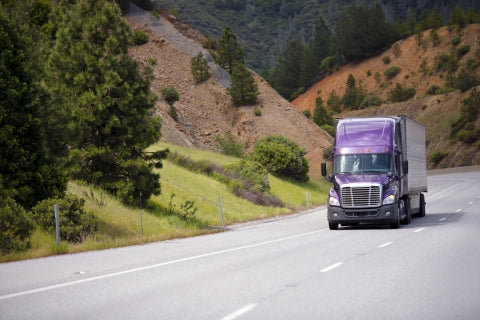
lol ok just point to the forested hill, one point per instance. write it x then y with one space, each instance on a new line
266 26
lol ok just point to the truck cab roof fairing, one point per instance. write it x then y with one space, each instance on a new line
373 133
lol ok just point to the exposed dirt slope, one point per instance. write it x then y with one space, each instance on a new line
435 112
206 111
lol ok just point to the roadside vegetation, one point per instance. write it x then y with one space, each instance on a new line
187 206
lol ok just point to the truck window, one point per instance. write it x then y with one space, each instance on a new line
363 163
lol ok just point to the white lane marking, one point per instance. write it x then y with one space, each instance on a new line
418 230
240 312
114 274
385 244
333 266
444 190
458 210
470 203
443 219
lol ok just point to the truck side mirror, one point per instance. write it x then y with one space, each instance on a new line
324 169
405 166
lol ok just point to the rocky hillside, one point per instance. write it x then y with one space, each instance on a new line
435 112
205 110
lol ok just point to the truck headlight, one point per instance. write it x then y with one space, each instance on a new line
333 201
389 200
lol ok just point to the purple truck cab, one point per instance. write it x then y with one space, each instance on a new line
379 172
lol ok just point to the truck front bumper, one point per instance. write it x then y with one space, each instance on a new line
382 215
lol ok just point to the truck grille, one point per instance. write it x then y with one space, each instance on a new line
361 196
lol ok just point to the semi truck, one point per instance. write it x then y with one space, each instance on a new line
379 172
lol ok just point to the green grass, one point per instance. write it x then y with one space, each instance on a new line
123 226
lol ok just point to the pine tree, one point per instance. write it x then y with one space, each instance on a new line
199 67
111 106
26 173
229 52
243 89
288 74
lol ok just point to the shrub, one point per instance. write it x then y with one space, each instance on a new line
455 41
386 59
230 145
172 111
465 80
399 94
281 156
257 111
330 129
307 113
432 90
15 226
75 223
370 100
437 157
152 61
170 95
253 174
469 136
327 153
139 37
392 72
463 50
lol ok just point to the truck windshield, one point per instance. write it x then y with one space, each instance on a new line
363 163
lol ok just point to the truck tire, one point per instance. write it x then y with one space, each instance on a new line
333 226
421 213
408 211
396 224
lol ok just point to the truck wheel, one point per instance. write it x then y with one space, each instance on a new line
408 211
422 206
396 224
333 226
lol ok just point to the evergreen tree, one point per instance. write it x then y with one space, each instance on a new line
229 52
199 67
362 32
288 73
111 106
243 89
26 173
321 116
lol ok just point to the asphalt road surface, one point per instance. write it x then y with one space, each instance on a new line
288 268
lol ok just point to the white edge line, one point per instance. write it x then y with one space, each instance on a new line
240 312
443 219
458 210
114 274
385 244
418 230
333 266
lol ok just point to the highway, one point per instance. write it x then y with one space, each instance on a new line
287 268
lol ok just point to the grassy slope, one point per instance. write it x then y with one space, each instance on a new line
120 225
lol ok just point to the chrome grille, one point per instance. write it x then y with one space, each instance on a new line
360 196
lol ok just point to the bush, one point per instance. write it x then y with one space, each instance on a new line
257 111
330 129
371 100
139 37
75 223
307 113
465 80
327 153
455 41
437 156
386 59
253 174
15 226
399 94
432 90
281 156
230 145
463 50
469 136
170 95
392 72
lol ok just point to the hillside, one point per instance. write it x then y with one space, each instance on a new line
435 112
205 110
